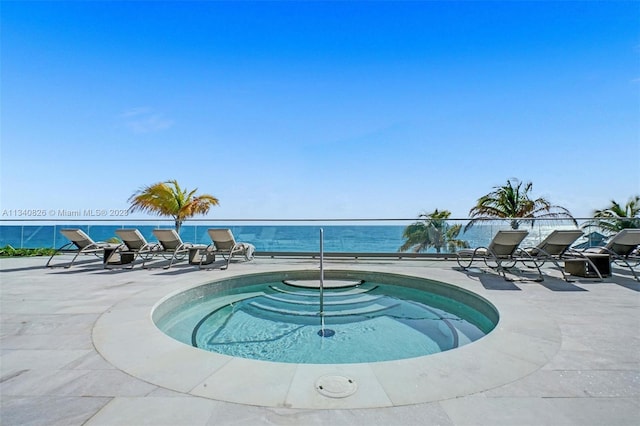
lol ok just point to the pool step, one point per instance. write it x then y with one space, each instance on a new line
302 291
328 301
355 310
325 283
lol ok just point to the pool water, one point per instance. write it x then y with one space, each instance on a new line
368 322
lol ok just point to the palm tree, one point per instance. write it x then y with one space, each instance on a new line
432 231
615 218
512 202
168 199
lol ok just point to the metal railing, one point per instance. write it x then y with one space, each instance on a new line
290 237
322 275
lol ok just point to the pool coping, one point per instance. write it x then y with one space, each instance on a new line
126 336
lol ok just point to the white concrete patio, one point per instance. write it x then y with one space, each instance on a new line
77 347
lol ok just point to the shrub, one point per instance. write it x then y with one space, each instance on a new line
9 251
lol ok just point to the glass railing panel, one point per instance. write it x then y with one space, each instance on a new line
35 236
12 236
357 236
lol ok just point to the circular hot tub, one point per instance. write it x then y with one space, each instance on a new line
516 342
357 317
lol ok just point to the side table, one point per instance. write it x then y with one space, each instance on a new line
195 256
580 267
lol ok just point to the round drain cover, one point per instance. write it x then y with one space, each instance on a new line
326 332
336 386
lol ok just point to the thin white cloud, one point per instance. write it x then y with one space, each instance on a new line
133 112
145 120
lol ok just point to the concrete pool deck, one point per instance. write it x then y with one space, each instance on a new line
78 347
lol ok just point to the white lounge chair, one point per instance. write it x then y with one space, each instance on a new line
83 245
623 249
224 243
502 250
134 245
556 247
170 244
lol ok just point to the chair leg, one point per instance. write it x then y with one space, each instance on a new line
471 260
203 255
228 261
144 261
594 267
628 265
48 265
501 270
464 267
528 258
564 274
540 276
72 260
171 261
105 263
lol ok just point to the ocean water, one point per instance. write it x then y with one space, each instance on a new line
277 238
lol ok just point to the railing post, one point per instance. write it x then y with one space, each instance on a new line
321 271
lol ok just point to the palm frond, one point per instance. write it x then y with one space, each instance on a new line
512 202
616 217
433 231
169 199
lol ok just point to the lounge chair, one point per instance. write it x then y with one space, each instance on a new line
170 244
224 243
503 250
623 249
83 245
556 247
133 245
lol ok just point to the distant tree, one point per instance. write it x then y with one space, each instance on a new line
615 218
168 199
512 202
432 231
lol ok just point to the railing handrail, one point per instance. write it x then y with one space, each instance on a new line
125 219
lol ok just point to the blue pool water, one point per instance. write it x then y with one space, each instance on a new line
368 322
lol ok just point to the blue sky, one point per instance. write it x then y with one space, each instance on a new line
319 109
